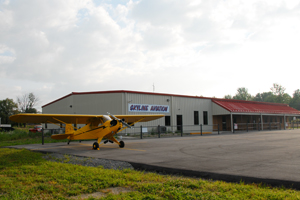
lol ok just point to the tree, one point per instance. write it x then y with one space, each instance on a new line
265 97
277 89
243 94
279 92
27 102
228 96
295 101
7 108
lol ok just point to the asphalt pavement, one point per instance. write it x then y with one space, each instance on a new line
271 157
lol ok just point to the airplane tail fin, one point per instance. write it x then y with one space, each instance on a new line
69 129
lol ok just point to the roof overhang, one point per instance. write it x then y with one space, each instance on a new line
239 107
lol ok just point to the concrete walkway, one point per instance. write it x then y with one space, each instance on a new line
271 157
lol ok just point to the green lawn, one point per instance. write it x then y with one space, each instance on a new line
23 136
26 175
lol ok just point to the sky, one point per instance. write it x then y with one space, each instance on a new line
204 48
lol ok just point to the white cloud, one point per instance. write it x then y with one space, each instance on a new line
207 48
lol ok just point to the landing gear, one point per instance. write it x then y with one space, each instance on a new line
106 141
96 146
122 144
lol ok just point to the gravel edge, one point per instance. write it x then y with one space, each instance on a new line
88 161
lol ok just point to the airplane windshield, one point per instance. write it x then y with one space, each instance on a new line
106 118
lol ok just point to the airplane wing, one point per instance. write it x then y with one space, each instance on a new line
76 119
53 118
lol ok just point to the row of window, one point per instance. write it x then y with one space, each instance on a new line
196 119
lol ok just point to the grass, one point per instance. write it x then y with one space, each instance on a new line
26 175
23 136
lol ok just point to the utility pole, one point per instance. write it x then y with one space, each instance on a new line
153 87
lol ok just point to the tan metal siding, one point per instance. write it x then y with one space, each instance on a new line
61 107
186 107
98 104
218 110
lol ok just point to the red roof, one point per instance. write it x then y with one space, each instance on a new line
241 106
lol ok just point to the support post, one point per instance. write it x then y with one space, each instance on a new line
262 122
181 130
42 136
231 122
284 122
279 125
247 126
141 132
201 129
158 130
218 129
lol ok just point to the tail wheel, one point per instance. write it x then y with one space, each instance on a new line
122 144
96 145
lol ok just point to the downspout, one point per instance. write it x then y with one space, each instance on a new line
261 122
284 121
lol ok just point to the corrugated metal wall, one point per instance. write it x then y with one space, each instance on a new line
186 107
117 103
218 110
59 107
94 104
97 104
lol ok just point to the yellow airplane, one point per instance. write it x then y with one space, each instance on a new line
97 126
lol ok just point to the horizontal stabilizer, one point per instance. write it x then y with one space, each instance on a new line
60 136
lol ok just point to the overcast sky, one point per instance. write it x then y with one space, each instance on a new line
208 48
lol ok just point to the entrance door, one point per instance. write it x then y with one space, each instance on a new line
179 122
224 128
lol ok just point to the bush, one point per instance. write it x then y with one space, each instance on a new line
17 134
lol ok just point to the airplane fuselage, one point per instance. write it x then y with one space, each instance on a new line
109 128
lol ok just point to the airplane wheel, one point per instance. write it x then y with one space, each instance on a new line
122 144
95 145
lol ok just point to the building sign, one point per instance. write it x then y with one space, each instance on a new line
148 108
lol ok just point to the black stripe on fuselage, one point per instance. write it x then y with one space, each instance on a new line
91 130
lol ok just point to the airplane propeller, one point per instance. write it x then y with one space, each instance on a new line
124 123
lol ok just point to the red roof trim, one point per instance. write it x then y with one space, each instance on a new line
57 100
240 106
123 91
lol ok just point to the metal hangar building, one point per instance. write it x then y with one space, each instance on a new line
180 110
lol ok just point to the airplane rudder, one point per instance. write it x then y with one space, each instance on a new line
69 129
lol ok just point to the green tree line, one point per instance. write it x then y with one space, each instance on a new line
24 104
276 94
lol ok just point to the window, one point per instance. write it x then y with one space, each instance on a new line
196 118
205 118
167 120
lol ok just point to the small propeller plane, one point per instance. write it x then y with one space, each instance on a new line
97 126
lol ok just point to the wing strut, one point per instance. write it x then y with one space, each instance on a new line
63 122
131 124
